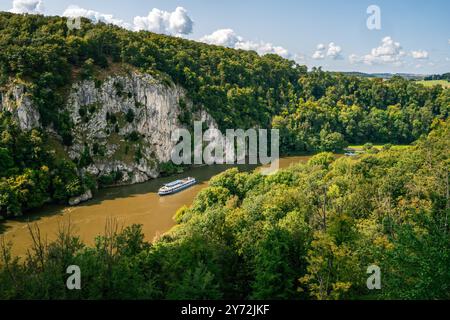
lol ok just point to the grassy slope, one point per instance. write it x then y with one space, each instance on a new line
430 83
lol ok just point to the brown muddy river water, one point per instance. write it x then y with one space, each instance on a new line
136 204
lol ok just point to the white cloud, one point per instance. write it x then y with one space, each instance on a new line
263 48
222 37
228 38
353 58
171 23
27 6
389 52
332 51
420 54
321 47
319 54
300 58
94 16
177 22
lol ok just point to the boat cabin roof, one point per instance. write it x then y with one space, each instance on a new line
172 184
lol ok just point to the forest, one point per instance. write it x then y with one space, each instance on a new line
307 232
445 76
314 110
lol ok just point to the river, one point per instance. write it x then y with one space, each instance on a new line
135 204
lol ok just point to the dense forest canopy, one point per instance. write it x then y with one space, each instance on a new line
307 232
315 110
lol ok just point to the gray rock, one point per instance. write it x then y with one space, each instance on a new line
92 169
19 103
74 201
156 109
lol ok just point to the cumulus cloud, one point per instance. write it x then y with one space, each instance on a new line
332 51
171 23
94 16
263 48
420 54
389 52
228 38
353 58
300 58
222 37
319 54
177 22
27 6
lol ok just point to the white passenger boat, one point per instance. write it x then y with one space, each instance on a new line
176 186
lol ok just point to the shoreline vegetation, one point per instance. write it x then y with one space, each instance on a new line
368 147
307 232
315 111
249 236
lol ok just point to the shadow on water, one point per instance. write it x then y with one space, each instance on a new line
3 227
202 174
33 215
127 205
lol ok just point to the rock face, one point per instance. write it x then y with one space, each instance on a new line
82 198
128 121
123 125
18 102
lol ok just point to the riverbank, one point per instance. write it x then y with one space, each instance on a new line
133 204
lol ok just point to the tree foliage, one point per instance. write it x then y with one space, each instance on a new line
307 232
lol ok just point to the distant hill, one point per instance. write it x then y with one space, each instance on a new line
444 76
408 76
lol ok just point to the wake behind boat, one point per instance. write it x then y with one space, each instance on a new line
176 186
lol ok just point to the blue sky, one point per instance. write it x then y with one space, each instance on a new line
414 35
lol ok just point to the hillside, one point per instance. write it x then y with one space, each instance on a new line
431 83
444 76
407 76
307 232
95 107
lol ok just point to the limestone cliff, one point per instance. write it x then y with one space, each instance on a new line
123 123
17 101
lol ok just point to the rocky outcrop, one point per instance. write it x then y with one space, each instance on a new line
82 198
128 120
18 102
122 125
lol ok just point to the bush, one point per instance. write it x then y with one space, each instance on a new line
133 136
130 116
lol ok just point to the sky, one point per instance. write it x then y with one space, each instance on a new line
408 36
